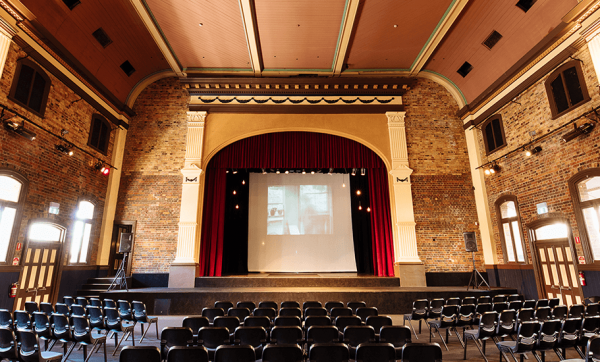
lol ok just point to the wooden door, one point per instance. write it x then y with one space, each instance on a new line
558 271
115 258
40 268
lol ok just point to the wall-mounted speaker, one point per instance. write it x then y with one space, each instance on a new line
125 242
470 241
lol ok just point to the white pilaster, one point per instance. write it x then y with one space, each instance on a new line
6 34
405 247
593 42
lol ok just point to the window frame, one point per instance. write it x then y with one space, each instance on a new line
19 214
484 135
578 207
501 200
85 221
104 121
558 73
15 81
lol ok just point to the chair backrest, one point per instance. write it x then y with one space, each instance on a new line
590 325
364 312
328 352
592 310
265 312
41 321
239 312
82 301
553 302
500 306
282 353
484 299
343 321
96 302
62 308
95 314
449 314
78 310
593 349
140 354
515 304
314 311
290 312
109 303
195 323
355 335
290 304
560 312
487 325
338 311
514 298
526 315
337 304
548 334
375 352
421 352
68 300
355 304
396 335
543 313
124 308
268 304
569 332
506 322
241 353
529 304
254 321
225 305
576 311
81 328
112 318
8 340
246 304
22 319
469 300
187 354
229 322
466 314
435 307
31 307
378 321
317 320
287 321
311 304
322 334
420 308
500 298
211 313
526 336
177 336
29 344
286 335
252 336
61 325
6 320
212 337
541 303
46 308
139 310
453 301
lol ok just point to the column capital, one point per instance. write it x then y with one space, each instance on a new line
591 31
401 175
395 118
196 118
191 174
6 29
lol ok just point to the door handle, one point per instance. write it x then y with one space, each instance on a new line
555 287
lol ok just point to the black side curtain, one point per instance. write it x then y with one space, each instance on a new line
361 224
235 236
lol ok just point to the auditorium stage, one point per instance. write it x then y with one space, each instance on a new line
384 293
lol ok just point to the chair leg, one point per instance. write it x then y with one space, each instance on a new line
420 320
465 350
412 329
68 353
580 352
133 335
85 355
482 352
124 337
156 324
442 338
536 356
144 334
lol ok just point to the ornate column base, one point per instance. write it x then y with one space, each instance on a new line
182 275
410 274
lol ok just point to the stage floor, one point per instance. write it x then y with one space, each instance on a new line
383 293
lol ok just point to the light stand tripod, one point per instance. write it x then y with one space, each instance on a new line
474 275
120 279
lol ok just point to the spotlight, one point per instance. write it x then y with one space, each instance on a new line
359 206
344 184
237 206
358 192
353 172
234 172
19 129
277 172
264 172
362 171
105 170
243 182
303 172
330 172
533 151
226 171
64 149
312 172
368 209
102 168
583 129
287 172
234 192
487 171
494 169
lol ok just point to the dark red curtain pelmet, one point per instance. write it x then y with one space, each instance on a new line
295 150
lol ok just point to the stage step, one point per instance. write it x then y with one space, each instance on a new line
271 281
95 286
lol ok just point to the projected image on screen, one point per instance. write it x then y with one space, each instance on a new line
299 210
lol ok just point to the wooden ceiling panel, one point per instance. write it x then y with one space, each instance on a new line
520 33
299 34
72 30
390 34
219 43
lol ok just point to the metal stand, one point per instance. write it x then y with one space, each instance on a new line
120 279
474 275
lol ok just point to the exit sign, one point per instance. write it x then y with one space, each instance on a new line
542 208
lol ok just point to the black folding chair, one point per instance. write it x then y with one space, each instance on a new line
422 352
419 313
282 353
140 354
328 352
187 354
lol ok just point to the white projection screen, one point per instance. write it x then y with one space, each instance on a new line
300 223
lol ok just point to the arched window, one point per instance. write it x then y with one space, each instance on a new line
13 188
511 234
99 133
30 87
585 193
493 134
566 88
82 232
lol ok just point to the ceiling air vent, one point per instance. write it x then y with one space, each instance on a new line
102 37
525 5
465 69
71 3
127 68
492 39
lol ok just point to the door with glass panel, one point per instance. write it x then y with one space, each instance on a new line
510 230
12 195
586 195
555 261
40 263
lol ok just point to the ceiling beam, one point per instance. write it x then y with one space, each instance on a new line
345 34
249 18
440 31
157 36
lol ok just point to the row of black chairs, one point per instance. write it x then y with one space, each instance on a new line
318 352
287 306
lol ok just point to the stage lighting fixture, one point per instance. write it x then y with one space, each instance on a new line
344 184
264 172
330 172
533 151
287 172
353 172
487 171
368 209
277 172
237 206
234 172
102 168
362 171
303 171
19 128
312 172
359 206
234 192
243 182
64 149
494 169
578 131
226 171
358 192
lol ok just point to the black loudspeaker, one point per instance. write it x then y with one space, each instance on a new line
125 242
470 241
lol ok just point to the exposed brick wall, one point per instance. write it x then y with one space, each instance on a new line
54 177
442 189
150 190
542 177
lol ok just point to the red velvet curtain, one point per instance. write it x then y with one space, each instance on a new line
295 150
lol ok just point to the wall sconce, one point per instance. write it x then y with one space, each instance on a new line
102 168
492 169
578 131
66 149
19 128
533 151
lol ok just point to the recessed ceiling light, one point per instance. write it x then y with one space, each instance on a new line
395 25
200 24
